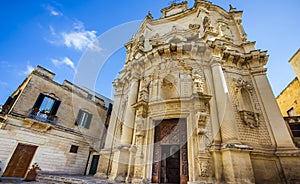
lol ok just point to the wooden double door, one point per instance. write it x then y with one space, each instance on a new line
20 161
170 152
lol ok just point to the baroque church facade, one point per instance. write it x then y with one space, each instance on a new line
193 105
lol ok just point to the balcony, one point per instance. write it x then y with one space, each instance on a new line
293 123
43 116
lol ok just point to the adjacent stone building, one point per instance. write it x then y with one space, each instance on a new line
289 99
58 126
193 105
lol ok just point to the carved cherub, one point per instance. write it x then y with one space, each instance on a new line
198 85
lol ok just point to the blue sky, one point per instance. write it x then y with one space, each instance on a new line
56 35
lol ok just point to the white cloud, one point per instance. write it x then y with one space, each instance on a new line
28 70
65 61
80 38
53 11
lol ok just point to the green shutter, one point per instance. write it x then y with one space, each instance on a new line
79 115
39 101
55 107
89 119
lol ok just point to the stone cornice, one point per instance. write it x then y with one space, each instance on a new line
182 6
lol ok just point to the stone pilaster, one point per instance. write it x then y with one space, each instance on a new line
224 106
106 154
237 166
280 132
121 156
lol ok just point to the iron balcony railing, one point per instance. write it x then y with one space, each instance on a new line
43 116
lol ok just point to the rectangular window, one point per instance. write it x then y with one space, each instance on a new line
73 149
291 112
47 104
45 108
83 119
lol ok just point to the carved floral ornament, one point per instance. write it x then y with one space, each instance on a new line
241 83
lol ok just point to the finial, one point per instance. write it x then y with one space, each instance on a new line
149 15
231 8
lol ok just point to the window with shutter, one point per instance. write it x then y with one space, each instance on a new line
84 119
45 109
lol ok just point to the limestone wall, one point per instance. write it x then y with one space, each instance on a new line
68 109
53 152
290 98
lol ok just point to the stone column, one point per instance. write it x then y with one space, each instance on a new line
121 156
127 129
224 106
139 141
280 132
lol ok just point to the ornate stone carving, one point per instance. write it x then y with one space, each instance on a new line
144 93
203 168
225 31
241 83
198 84
202 121
207 25
250 118
245 102
194 26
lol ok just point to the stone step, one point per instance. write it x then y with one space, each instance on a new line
64 179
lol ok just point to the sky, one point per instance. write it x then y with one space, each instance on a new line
83 41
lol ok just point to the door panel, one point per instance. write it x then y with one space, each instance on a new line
170 165
20 160
94 165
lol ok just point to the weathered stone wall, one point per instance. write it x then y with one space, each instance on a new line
53 152
267 169
295 62
290 98
53 140
252 136
68 109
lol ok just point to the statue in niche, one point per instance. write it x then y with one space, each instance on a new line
144 94
225 31
141 42
198 84
207 24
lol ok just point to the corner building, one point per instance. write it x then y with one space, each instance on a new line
193 105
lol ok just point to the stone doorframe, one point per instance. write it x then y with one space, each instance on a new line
170 132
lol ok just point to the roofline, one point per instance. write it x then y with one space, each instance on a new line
295 79
298 52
